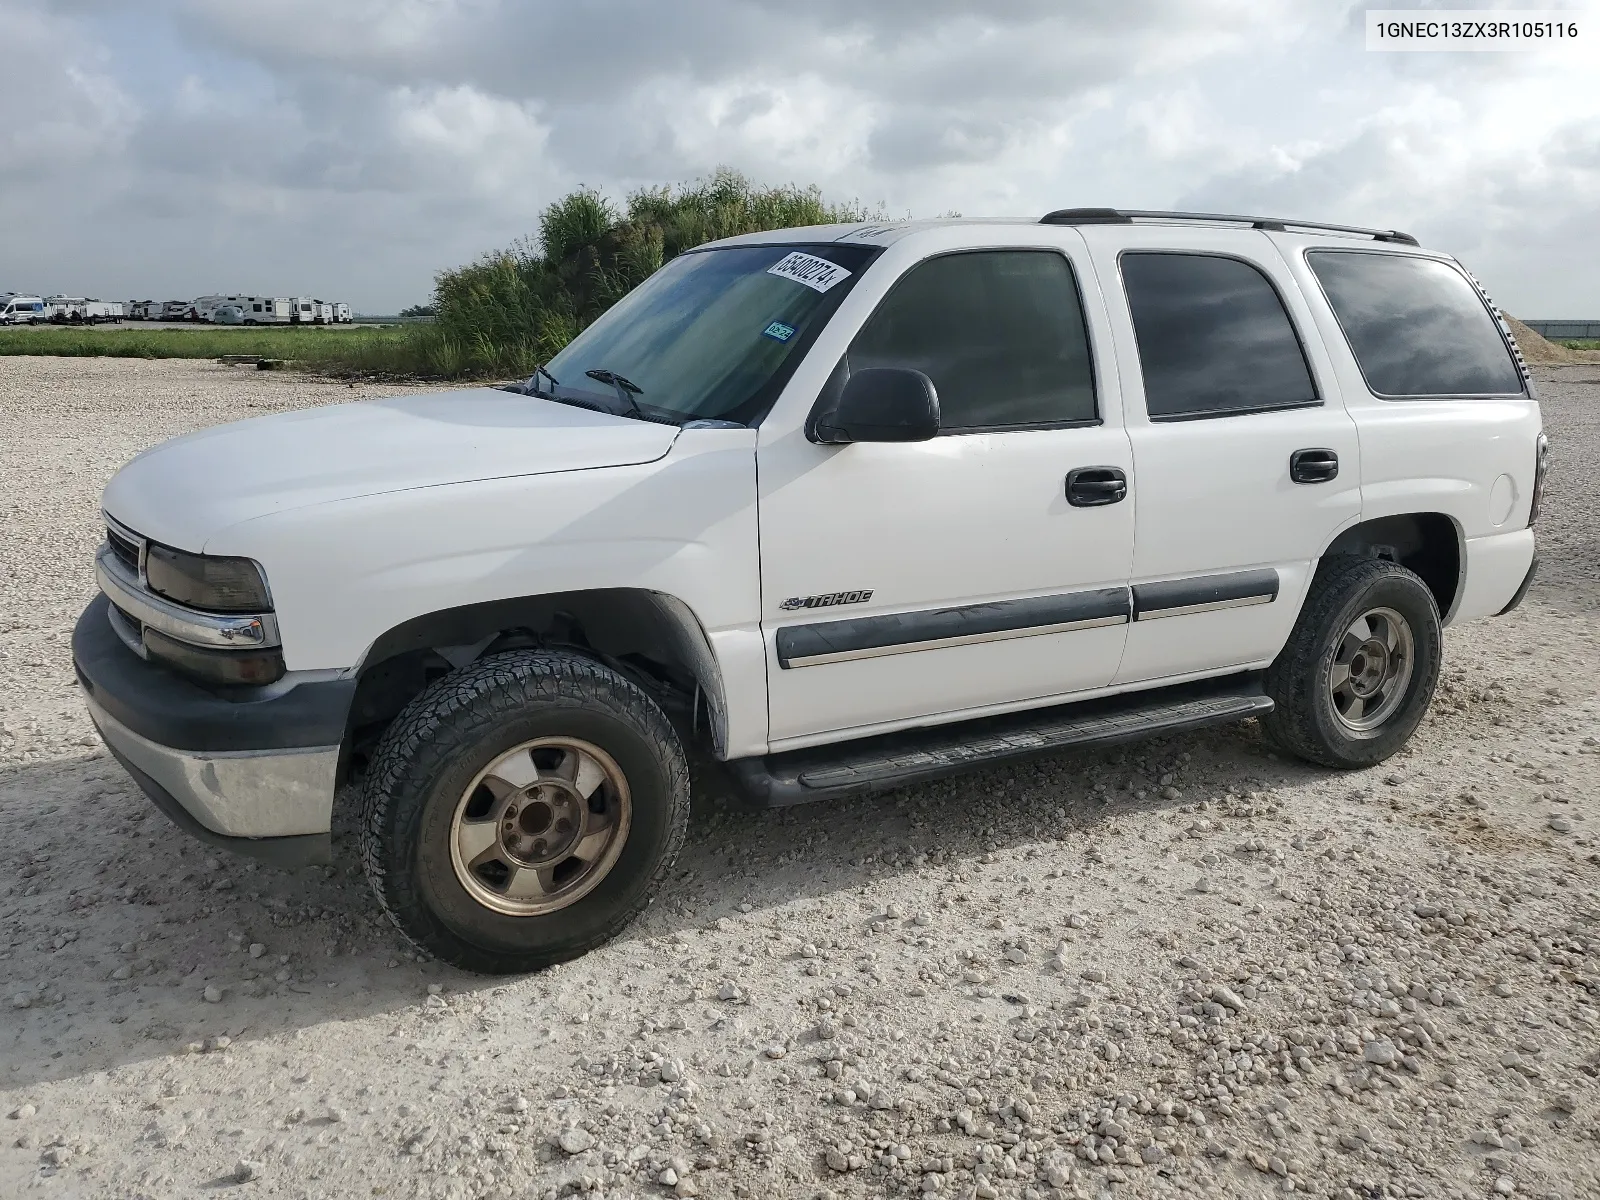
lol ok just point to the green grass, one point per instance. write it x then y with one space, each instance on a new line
389 350
1580 344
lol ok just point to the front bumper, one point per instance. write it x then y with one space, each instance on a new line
255 773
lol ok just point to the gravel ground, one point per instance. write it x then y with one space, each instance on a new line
1184 968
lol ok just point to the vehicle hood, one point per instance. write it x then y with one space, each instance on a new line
184 491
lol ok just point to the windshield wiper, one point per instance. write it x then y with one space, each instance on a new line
626 391
530 385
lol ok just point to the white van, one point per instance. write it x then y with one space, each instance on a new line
23 310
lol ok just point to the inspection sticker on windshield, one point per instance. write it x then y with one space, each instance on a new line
817 274
778 331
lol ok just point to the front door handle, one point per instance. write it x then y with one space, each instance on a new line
1313 466
1090 487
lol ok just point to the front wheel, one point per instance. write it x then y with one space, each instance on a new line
1358 673
523 810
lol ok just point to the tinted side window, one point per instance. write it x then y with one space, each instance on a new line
1214 338
1000 332
1415 325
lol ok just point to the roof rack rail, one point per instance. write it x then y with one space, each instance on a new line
1127 216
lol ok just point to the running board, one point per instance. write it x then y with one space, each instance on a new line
896 759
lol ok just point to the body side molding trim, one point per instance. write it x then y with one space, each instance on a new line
901 633
1204 593
967 639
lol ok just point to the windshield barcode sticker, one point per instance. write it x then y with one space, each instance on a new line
818 274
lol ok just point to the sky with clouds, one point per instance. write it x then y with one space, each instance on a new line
352 148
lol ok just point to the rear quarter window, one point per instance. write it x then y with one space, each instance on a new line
1416 326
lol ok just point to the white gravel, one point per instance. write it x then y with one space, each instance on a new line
1004 985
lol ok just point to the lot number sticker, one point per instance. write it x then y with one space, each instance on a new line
818 274
778 331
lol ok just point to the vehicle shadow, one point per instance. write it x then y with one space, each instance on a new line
119 924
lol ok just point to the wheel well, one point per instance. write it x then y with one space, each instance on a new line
1428 544
652 638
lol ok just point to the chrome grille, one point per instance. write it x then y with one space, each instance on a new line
129 628
136 607
125 548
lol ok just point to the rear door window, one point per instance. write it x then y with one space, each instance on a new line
1000 332
1214 337
1416 326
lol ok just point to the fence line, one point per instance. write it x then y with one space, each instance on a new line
1565 329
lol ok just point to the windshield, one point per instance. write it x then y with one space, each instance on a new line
714 334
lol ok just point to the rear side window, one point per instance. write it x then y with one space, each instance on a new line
1415 325
1214 338
1000 332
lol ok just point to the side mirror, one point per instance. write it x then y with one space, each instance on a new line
881 404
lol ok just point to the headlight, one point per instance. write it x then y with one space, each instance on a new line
206 582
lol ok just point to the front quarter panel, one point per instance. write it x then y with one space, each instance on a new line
345 572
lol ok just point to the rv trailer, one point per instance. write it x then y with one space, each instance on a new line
266 310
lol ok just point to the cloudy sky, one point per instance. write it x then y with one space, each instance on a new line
352 148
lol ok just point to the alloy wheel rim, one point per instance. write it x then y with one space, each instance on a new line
1372 668
540 826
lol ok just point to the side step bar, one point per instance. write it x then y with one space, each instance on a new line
896 759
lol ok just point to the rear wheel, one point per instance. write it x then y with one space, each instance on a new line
1358 673
523 810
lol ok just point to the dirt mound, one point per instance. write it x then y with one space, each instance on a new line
1538 351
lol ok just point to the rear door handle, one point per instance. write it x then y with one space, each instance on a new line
1090 487
1313 466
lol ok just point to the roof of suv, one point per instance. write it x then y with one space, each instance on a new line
872 233
884 233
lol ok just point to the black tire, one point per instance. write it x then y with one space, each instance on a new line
1307 721
438 745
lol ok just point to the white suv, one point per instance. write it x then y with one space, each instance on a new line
847 506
